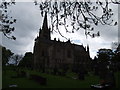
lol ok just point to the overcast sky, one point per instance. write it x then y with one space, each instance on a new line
29 21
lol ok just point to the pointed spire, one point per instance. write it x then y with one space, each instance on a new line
58 39
85 48
45 23
88 49
45 32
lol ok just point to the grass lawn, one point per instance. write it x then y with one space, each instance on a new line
117 79
52 81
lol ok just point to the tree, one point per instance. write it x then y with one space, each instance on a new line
15 58
116 58
78 14
5 20
105 55
27 60
6 53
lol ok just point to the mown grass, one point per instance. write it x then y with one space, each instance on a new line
53 81
117 76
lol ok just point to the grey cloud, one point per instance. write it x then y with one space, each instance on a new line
29 21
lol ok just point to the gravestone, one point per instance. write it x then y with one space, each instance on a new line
110 79
39 79
81 75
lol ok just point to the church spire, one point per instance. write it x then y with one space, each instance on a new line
45 23
45 32
88 49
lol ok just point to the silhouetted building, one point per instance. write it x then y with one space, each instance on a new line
56 54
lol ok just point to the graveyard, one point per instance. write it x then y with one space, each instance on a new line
11 79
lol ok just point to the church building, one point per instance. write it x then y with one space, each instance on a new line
49 54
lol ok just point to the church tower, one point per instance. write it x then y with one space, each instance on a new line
41 56
45 31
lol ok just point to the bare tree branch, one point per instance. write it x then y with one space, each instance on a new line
81 14
5 20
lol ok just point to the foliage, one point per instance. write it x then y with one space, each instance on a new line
105 54
6 53
5 20
80 14
116 58
27 60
